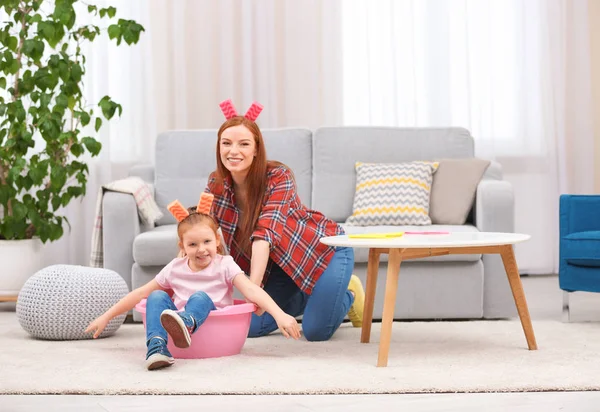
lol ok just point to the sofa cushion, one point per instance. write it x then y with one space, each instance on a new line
184 160
392 194
362 254
337 149
156 247
582 248
453 189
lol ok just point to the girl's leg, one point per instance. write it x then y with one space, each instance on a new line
181 325
286 294
330 300
197 308
158 301
158 356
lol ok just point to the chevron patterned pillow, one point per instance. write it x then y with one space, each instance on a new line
392 194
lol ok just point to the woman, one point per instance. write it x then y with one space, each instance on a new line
275 238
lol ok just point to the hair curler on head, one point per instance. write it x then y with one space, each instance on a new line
253 111
177 210
228 109
205 203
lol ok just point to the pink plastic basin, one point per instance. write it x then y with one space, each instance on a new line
222 334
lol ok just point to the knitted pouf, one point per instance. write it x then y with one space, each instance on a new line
60 301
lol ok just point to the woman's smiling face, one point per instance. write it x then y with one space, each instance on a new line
237 148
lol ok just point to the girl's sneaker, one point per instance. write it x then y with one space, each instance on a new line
158 355
179 325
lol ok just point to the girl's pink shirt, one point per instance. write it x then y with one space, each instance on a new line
216 280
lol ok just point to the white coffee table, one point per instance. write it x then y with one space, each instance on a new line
419 246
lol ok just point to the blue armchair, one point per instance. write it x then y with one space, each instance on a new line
579 251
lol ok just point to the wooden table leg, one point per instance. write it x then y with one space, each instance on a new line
512 271
391 287
372 270
8 298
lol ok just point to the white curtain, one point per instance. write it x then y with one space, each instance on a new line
515 73
193 55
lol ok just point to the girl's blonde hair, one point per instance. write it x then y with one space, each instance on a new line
195 218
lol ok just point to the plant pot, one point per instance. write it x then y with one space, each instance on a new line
20 259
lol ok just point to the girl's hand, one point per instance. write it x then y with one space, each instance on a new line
288 326
97 326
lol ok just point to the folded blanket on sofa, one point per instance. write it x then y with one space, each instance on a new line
147 210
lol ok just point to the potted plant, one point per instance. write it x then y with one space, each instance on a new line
46 126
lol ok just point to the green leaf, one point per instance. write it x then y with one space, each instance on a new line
37 173
24 182
62 100
3 82
75 191
4 194
64 12
92 8
98 123
34 49
76 72
92 145
27 83
66 198
14 67
56 202
56 232
16 170
109 107
45 98
19 210
47 31
34 216
114 32
11 43
84 117
76 149
45 80
58 177
111 12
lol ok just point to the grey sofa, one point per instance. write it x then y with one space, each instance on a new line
444 287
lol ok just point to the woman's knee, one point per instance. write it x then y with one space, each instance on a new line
317 334
255 333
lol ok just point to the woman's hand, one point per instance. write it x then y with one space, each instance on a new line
98 325
288 326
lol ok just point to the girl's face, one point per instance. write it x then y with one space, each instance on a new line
200 245
238 149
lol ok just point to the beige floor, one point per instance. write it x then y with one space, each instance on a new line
544 299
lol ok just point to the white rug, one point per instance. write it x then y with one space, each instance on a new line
477 356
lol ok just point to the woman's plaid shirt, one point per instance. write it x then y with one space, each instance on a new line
292 230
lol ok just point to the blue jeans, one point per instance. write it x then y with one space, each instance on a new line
323 310
198 306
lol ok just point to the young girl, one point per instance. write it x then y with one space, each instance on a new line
201 281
